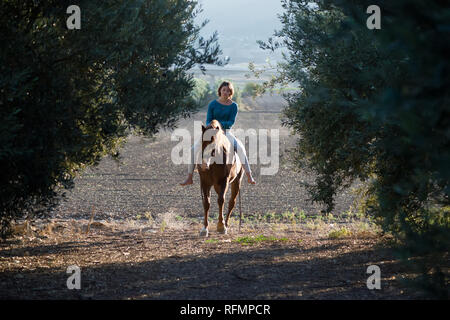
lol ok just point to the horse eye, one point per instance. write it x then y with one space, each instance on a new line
213 153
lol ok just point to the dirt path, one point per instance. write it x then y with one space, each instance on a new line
119 261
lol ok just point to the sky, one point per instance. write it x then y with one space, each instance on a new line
240 23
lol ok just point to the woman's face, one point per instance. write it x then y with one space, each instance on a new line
225 92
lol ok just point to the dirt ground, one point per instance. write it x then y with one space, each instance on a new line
143 242
144 261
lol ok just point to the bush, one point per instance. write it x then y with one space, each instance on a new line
70 97
251 89
203 94
339 234
374 106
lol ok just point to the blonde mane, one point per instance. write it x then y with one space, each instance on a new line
220 139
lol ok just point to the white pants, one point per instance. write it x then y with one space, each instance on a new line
240 148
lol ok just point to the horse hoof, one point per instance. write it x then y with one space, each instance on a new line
204 232
222 229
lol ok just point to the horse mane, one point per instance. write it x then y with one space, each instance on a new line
220 139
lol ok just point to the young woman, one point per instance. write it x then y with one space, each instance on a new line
225 111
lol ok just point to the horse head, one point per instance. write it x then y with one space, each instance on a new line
215 145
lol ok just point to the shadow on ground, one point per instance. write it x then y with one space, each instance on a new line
271 271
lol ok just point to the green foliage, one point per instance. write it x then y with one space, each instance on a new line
237 96
374 106
70 97
339 234
202 93
250 240
251 89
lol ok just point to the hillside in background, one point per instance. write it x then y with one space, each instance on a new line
239 25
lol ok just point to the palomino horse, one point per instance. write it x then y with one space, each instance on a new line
220 167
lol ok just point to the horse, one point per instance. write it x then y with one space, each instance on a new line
220 168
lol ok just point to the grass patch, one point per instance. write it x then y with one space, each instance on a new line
249 240
339 234
294 216
211 241
163 226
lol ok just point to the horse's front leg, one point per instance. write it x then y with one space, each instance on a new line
234 192
206 204
221 201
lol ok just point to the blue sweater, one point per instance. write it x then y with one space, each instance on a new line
226 115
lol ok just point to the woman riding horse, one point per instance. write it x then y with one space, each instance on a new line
225 111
